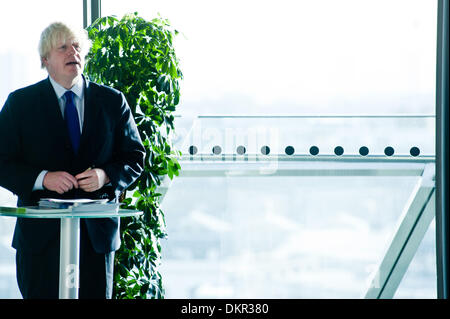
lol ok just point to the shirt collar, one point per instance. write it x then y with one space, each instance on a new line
60 90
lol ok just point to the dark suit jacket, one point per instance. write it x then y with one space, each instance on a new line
34 137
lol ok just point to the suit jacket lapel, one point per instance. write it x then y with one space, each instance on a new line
91 109
52 111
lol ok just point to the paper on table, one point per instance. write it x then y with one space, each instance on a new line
96 208
80 200
74 202
56 205
86 208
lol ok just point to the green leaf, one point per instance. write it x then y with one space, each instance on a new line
136 56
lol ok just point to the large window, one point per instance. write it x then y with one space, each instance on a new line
22 23
253 71
255 222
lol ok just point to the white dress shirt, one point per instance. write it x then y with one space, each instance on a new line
78 90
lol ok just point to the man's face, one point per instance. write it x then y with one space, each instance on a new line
64 62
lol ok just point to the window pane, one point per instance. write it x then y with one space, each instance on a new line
19 57
278 237
292 58
347 56
420 279
313 225
22 23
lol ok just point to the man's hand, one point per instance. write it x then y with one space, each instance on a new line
59 182
92 179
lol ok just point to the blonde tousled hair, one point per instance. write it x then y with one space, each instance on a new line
58 32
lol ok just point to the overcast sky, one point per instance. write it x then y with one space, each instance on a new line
274 54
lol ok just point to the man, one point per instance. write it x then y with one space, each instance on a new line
66 137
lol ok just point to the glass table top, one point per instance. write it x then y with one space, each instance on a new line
35 212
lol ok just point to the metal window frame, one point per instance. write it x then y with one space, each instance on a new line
442 145
91 11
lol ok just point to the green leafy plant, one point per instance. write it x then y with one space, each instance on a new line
137 57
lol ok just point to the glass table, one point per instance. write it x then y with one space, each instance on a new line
70 239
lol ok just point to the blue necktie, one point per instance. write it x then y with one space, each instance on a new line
72 120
